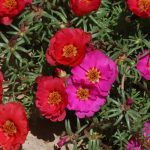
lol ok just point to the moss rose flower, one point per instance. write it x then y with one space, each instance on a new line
1 88
140 7
11 8
84 7
143 65
13 126
135 144
97 69
68 47
51 97
83 99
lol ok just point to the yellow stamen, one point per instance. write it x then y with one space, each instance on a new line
54 97
10 4
83 94
9 128
93 75
70 51
144 5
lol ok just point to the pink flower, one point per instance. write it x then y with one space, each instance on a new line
62 141
96 69
130 102
146 130
143 65
84 99
133 144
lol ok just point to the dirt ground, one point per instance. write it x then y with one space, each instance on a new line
44 135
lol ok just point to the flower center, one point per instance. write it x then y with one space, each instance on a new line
144 5
54 97
69 51
10 4
93 75
83 94
9 128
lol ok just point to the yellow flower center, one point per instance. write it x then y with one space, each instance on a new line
10 4
54 97
70 51
93 75
9 128
144 5
83 94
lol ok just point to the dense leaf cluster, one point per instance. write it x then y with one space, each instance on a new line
116 31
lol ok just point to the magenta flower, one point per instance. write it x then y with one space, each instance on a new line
143 65
83 99
96 69
133 145
130 102
62 141
146 130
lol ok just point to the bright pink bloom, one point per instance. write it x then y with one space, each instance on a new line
11 8
134 144
140 7
51 97
96 69
146 130
143 65
84 99
62 141
1 88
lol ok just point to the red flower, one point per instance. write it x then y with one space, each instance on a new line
10 8
84 7
1 88
68 47
140 7
51 97
13 126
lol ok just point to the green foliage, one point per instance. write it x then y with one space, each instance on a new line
115 31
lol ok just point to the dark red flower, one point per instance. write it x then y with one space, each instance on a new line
130 102
51 97
13 126
140 8
11 8
68 47
1 88
84 7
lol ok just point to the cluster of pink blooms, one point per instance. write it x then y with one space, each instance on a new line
84 91
90 83
91 79
141 144
143 65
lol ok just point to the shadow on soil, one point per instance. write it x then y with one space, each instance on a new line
45 129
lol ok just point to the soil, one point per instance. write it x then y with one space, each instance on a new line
44 135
